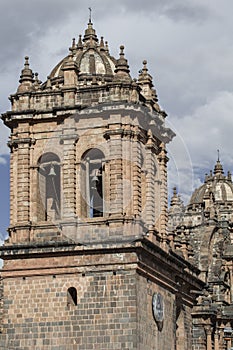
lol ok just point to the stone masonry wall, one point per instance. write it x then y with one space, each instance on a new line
150 338
40 318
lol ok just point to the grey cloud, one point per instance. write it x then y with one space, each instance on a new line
175 10
25 21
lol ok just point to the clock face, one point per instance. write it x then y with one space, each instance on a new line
158 307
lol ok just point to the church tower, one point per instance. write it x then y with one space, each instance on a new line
88 263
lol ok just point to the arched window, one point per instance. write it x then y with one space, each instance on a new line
49 178
71 296
93 176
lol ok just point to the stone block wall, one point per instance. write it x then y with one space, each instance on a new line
41 317
150 337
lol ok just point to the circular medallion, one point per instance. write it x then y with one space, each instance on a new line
158 307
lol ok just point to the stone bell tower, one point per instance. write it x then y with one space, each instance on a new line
87 263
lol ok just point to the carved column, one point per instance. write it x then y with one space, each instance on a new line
136 173
13 183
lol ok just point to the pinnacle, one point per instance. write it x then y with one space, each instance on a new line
90 34
218 169
144 76
26 73
122 63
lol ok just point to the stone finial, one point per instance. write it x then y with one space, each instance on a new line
102 43
48 84
218 169
122 64
144 69
73 45
146 84
90 34
26 74
37 81
174 198
26 77
80 44
106 47
229 178
122 67
144 76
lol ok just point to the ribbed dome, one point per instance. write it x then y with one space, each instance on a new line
217 187
91 57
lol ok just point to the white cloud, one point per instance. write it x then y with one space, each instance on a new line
200 134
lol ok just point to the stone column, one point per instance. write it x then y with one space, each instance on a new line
20 188
221 338
208 330
116 170
228 341
23 180
13 184
216 342
68 190
163 159
128 165
150 182
136 173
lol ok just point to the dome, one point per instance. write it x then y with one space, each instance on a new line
217 187
91 57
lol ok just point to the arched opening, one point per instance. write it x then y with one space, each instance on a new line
71 296
93 176
49 178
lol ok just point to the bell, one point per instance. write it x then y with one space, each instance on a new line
52 171
95 179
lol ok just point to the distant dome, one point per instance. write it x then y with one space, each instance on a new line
91 57
216 186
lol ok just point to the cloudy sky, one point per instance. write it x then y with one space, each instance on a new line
189 48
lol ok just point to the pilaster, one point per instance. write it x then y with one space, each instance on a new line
116 169
69 139
163 159
23 178
150 182
136 173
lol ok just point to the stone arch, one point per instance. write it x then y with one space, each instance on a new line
71 296
49 187
92 183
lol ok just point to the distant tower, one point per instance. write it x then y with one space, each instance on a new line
205 227
88 262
